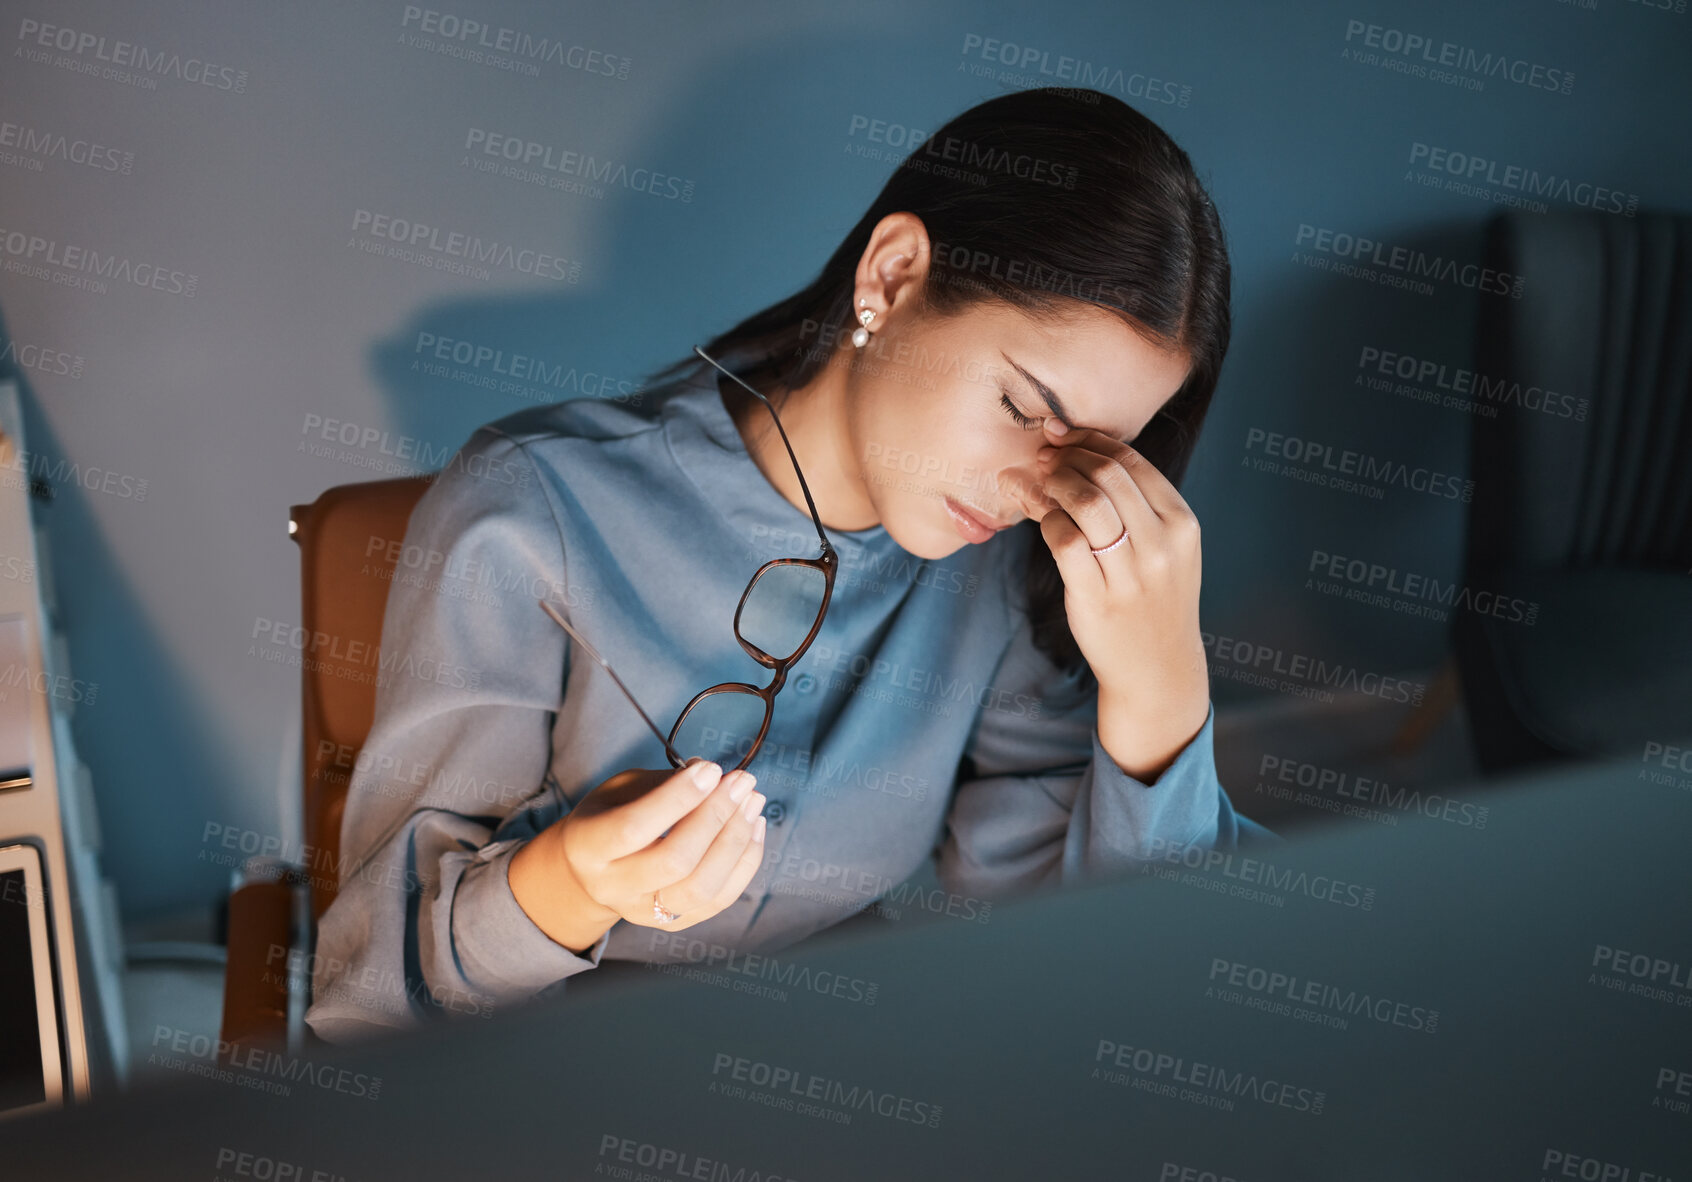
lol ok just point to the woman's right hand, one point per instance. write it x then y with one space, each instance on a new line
639 832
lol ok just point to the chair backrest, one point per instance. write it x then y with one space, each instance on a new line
349 539
1604 317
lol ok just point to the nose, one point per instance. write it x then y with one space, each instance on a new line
1020 484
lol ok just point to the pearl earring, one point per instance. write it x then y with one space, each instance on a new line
861 335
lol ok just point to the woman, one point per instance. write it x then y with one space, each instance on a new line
1008 677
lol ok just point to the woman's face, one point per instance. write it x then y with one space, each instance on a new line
932 407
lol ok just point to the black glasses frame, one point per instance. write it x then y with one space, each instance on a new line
828 564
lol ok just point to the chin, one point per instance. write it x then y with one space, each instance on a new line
927 542
923 527
945 550
933 540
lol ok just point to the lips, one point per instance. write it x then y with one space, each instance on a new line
984 522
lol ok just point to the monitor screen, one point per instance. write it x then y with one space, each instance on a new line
23 1078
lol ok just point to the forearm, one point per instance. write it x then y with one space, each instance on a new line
1144 737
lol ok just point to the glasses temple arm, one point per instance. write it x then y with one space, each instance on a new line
803 487
592 652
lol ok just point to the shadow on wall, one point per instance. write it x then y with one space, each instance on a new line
654 260
148 711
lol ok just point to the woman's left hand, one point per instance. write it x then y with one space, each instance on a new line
1134 611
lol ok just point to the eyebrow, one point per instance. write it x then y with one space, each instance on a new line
1047 393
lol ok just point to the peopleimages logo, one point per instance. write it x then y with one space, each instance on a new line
963 264
245 1164
256 1067
1423 56
849 885
1031 65
1467 173
377 447
1345 468
1323 888
1377 585
60 686
930 685
1322 783
1561 1163
501 47
669 1162
34 466
81 44
1641 974
56 362
543 158
784 1084
1426 379
1668 755
55 145
85 267
1282 993
1269 658
680 951
780 763
379 988
972 159
1404 266
467 249
351 660
1205 1084
1679 1083
505 372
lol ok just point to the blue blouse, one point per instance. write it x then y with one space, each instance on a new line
921 724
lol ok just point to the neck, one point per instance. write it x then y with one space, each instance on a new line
815 420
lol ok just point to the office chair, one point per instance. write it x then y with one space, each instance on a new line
1589 522
345 573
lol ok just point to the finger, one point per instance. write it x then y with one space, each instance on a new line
1162 495
1091 508
1080 570
633 826
1127 503
741 874
1023 486
671 858
700 888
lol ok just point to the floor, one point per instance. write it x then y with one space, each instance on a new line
173 987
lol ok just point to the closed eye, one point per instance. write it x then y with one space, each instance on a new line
1022 420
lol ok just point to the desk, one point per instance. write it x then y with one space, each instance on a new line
1431 1001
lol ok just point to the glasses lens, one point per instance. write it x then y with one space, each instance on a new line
781 609
721 727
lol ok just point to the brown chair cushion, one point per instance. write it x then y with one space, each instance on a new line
350 539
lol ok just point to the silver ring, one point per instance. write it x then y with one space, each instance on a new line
1114 544
659 913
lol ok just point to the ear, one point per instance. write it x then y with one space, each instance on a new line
894 263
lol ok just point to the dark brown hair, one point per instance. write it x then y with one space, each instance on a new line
1038 199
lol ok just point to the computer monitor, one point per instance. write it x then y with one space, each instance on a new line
31 1074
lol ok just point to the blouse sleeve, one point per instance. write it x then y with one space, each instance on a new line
453 777
1039 802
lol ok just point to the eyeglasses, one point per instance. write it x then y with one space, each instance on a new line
778 617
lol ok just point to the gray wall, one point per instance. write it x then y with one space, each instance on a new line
251 184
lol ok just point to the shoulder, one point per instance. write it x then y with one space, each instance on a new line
577 418
538 444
